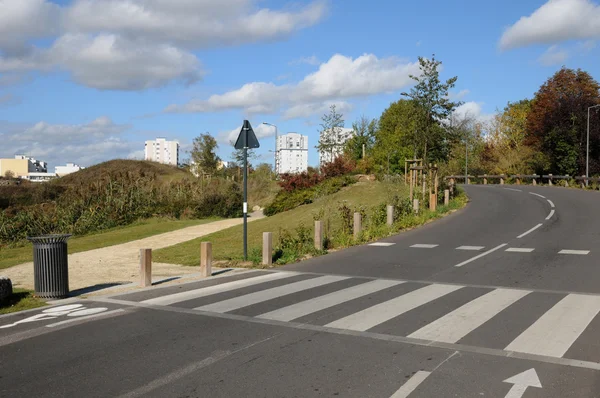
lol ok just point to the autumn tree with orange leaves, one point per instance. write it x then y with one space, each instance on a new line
557 123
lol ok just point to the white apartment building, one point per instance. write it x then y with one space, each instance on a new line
336 141
292 153
68 169
162 151
34 165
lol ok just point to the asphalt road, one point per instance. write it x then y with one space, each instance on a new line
500 299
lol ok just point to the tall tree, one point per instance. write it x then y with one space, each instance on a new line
431 95
204 153
331 138
557 122
364 135
396 139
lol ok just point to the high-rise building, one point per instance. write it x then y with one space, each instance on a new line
334 141
162 151
292 153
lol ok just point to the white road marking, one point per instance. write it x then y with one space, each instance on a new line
512 189
92 315
555 331
576 252
382 244
521 382
457 324
537 194
550 215
373 316
269 294
530 231
223 287
551 203
423 246
62 308
411 385
303 308
519 250
481 255
471 248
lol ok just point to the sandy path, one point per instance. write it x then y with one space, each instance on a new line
120 263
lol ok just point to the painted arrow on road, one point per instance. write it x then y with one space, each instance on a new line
521 382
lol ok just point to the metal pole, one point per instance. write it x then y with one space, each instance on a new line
587 151
246 202
276 150
466 161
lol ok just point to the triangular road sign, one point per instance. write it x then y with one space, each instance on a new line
247 138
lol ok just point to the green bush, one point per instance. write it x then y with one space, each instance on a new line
288 200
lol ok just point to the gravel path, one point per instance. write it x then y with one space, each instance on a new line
120 263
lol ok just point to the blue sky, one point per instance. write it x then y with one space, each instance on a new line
89 80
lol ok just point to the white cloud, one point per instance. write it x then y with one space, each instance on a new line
84 144
339 78
136 44
312 60
553 56
8 99
304 111
554 22
460 95
418 44
472 110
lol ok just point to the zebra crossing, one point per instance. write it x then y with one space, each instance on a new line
437 312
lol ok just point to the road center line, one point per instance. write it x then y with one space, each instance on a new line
551 203
550 215
576 252
471 248
481 255
424 246
512 189
537 194
411 385
519 250
530 231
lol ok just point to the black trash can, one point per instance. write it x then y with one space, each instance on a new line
50 265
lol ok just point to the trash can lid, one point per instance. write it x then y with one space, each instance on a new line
54 238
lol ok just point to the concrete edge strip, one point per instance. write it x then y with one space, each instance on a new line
378 336
481 255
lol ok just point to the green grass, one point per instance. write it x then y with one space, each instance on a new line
20 300
142 229
227 244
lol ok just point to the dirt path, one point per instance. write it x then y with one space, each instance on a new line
120 263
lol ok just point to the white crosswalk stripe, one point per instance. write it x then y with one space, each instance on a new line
225 287
460 322
552 333
329 300
373 316
555 331
269 294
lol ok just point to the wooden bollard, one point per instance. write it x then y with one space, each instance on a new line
501 181
550 180
357 225
433 202
205 259
390 215
484 180
446 197
267 252
145 267
416 206
567 181
534 182
518 180
319 235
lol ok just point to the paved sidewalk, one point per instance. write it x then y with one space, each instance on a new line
119 264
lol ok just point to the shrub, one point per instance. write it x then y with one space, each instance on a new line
291 182
338 167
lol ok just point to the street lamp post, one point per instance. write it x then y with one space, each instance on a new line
276 150
587 151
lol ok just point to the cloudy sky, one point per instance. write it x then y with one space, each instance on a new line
89 80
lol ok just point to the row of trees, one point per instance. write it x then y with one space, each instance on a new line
545 134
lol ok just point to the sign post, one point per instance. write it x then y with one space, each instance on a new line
246 139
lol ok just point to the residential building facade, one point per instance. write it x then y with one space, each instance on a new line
21 166
162 151
292 153
68 169
335 141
